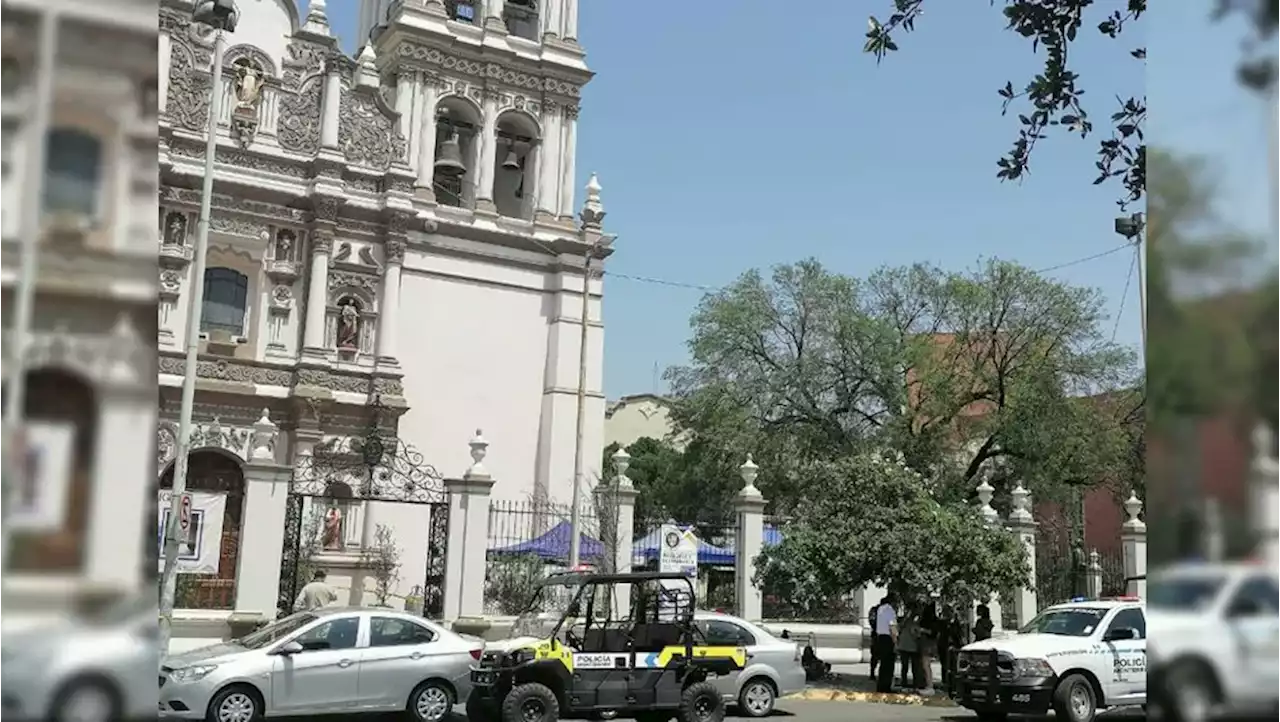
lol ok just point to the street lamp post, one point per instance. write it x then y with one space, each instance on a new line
222 16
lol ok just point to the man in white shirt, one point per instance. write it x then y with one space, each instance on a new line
885 643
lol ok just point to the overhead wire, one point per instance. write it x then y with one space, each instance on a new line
1124 295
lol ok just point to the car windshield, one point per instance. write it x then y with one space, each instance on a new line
546 606
1073 622
276 631
1184 592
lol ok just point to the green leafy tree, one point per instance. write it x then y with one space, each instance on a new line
1052 99
693 486
955 370
869 518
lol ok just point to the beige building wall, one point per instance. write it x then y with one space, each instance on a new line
635 417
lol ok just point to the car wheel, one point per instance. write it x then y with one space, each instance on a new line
757 698
431 701
701 702
86 701
482 709
1189 693
237 703
1074 700
530 702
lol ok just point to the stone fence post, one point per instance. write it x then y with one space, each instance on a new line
749 505
620 496
1023 526
464 570
266 492
1264 487
1093 576
1133 543
992 518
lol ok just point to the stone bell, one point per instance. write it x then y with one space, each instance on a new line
512 162
449 161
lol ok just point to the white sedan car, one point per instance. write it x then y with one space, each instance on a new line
773 665
327 661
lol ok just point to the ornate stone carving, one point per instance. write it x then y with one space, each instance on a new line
227 370
571 111
215 435
395 249
282 297
362 281
350 226
512 77
175 228
326 208
301 116
188 102
388 387
236 204
237 226
170 283
238 54
321 242
398 223
366 135
361 183
166 444
240 159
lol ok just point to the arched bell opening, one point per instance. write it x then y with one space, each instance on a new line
514 174
457 153
210 548
521 19
52 464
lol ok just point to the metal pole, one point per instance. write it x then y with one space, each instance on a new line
32 211
575 512
195 298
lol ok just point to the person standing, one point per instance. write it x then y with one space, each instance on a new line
983 626
871 632
927 646
886 629
317 593
908 650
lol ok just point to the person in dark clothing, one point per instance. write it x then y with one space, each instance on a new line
871 632
814 669
927 647
948 639
983 627
886 631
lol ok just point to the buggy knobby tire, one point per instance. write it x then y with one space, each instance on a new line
701 702
531 702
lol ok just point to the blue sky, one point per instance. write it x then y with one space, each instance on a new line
727 140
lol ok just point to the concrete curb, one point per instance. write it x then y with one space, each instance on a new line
837 695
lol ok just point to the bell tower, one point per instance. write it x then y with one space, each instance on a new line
487 93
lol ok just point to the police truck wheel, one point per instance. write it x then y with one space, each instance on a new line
1189 693
1074 700
701 702
530 702
482 709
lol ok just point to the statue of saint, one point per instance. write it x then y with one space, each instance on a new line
348 325
333 529
284 246
248 86
176 230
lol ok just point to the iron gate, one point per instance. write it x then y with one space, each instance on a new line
377 466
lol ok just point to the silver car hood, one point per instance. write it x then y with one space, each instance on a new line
213 652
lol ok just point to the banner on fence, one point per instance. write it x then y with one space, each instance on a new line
678 554
200 544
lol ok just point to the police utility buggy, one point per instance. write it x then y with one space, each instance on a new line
1074 659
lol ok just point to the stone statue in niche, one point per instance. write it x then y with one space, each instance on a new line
248 85
285 240
348 324
175 229
333 529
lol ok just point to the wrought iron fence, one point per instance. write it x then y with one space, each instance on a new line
1113 581
530 539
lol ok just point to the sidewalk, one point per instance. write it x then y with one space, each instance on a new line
852 683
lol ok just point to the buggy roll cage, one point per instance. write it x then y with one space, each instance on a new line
587 580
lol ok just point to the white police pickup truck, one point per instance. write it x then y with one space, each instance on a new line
1216 641
1074 659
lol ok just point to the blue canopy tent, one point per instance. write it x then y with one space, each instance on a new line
772 535
554 545
647 546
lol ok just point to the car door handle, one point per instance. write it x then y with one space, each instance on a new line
417 655
344 663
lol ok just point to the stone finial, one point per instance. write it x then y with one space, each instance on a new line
368 62
749 472
1021 512
317 19
479 450
985 492
593 213
622 462
264 438
1133 507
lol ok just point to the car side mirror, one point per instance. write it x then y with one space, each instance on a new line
1121 634
288 649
